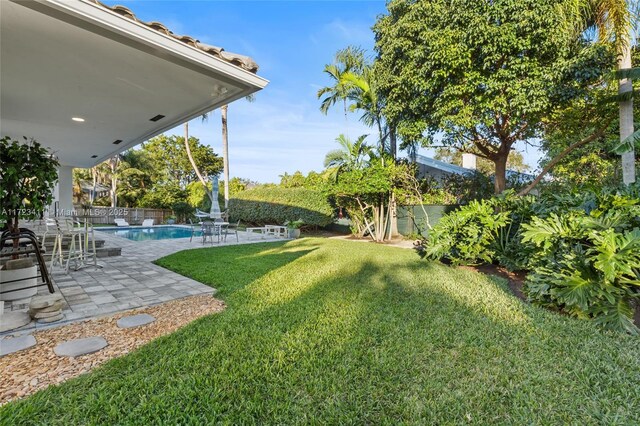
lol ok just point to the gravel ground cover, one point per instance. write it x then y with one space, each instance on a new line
27 371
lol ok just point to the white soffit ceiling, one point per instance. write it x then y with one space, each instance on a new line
57 63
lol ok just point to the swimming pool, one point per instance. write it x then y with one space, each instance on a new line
153 233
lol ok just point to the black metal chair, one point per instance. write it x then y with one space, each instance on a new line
25 248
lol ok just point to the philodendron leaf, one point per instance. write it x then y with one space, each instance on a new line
618 316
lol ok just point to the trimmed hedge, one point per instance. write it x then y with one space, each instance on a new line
276 205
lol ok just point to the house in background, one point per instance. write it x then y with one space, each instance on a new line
439 170
90 81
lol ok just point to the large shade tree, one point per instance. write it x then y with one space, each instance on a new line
171 162
480 75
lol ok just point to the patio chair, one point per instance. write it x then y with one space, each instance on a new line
68 227
147 222
53 230
193 229
210 230
233 229
121 222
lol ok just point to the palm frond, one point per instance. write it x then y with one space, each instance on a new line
632 73
629 144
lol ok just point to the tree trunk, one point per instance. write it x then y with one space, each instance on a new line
94 175
500 178
346 119
192 161
626 116
393 205
393 142
393 220
113 162
225 154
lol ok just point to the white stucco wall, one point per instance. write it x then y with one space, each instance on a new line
63 193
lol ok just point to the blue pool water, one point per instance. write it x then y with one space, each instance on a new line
154 233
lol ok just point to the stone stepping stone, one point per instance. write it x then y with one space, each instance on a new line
79 347
15 344
48 320
135 320
44 301
43 315
55 307
12 320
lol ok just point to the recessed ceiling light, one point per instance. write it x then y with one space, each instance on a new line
116 142
157 117
94 156
78 119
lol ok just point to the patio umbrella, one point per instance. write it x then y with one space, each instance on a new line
215 212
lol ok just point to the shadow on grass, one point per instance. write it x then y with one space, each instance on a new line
231 268
345 334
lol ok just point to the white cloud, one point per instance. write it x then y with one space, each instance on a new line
350 32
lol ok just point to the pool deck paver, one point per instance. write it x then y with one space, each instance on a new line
124 282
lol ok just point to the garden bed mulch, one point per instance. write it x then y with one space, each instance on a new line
30 370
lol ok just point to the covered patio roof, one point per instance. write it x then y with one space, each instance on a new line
90 81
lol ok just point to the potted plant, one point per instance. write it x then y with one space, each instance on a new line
28 173
293 227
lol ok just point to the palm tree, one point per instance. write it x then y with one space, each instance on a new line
113 165
99 174
612 20
346 60
352 155
224 110
192 161
225 148
361 91
354 81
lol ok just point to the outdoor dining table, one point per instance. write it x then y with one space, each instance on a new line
219 225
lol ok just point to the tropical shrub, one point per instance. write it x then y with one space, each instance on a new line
367 194
182 210
272 204
582 248
467 236
508 247
587 262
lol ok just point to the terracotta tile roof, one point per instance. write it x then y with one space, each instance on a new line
238 60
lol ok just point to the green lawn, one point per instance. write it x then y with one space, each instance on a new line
336 332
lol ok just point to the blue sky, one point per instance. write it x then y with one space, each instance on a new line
283 130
